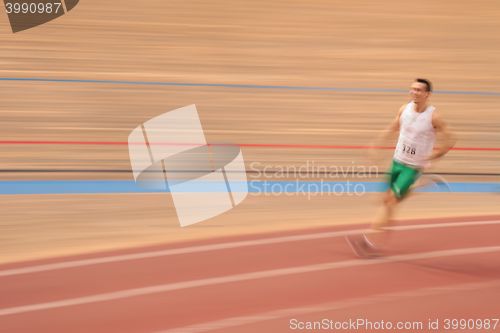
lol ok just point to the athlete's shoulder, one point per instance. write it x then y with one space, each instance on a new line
402 108
435 112
437 119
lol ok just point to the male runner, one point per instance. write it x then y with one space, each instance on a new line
417 123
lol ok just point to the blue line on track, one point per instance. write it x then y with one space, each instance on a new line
250 86
254 186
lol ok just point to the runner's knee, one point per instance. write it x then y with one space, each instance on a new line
390 199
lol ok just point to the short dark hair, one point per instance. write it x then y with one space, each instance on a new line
427 83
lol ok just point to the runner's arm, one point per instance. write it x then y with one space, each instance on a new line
449 138
391 129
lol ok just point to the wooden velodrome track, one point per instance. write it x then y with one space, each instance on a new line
291 81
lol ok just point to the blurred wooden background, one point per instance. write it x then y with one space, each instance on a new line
377 46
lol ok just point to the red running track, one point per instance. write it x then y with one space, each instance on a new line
435 270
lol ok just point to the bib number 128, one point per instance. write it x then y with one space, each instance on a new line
408 150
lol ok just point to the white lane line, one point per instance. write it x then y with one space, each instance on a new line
127 293
331 306
223 246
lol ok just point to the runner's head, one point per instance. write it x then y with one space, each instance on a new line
420 90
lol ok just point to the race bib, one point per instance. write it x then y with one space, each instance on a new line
408 149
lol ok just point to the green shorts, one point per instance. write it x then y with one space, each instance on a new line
401 177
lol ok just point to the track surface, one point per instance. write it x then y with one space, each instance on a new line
241 284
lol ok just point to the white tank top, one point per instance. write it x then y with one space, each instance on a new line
416 136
